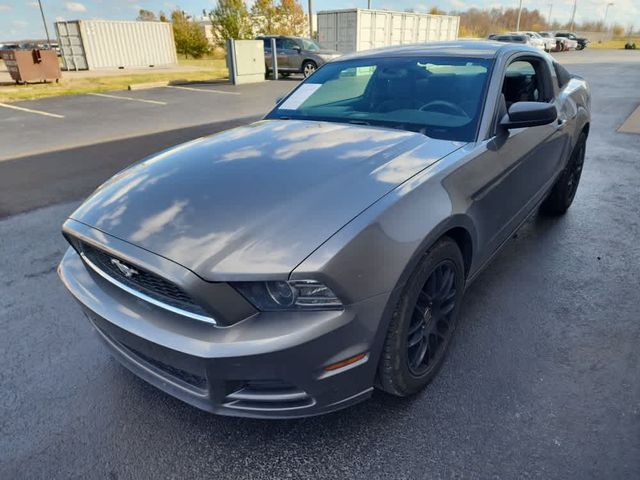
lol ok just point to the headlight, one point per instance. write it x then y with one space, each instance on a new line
292 295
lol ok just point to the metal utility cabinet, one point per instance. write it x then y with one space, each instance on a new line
27 66
361 29
104 44
245 60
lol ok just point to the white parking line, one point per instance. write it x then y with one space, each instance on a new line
155 102
202 90
39 112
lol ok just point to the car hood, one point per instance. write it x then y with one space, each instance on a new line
256 200
326 52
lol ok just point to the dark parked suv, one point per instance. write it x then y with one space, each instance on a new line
296 54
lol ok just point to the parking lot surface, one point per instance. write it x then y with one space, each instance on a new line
46 160
542 380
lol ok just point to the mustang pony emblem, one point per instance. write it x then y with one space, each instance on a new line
124 269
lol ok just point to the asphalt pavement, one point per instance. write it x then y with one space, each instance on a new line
46 160
542 380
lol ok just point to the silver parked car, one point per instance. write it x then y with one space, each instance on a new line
288 267
296 54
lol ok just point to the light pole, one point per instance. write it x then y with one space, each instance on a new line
44 21
573 14
310 19
519 14
606 11
549 17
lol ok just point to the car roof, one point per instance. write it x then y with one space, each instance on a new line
462 48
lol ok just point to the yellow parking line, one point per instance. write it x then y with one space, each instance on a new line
29 110
119 97
209 90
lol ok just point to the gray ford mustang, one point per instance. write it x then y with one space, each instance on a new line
289 267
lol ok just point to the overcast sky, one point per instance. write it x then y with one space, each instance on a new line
20 19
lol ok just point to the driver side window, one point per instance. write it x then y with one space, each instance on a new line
523 82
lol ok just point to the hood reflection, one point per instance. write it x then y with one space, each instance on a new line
257 199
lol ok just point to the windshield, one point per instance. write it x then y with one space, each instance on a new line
308 44
439 97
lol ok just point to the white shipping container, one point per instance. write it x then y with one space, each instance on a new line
96 44
361 29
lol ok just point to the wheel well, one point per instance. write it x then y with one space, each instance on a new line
463 239
585 129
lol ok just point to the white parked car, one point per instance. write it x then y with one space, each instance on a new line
515 38
535 40
561 43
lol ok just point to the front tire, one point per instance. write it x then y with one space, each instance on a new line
423 322
308 68
565 188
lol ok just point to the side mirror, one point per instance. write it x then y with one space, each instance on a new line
529 114
297 48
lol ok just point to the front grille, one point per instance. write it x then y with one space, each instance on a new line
143 281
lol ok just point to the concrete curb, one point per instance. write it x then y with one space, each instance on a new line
144 86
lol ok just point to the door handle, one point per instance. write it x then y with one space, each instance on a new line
561 124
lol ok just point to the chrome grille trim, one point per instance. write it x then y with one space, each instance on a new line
144 297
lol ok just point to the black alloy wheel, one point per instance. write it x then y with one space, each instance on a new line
430 324
563 192
423 321
575 171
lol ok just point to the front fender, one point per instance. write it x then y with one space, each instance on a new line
377 251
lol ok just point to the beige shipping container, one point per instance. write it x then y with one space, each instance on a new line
361 29
105 44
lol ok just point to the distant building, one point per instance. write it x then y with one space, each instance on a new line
207 29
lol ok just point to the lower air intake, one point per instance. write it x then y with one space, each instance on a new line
268 395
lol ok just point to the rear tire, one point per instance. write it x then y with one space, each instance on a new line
423 322
564 190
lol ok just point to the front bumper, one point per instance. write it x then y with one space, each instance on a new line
270 365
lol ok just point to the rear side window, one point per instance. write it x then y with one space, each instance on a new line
562 74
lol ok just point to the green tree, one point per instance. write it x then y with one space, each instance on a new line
264 16
291 19
230 19
189 37
146 16
436 11
163 16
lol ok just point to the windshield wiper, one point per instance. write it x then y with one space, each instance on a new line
359 122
